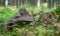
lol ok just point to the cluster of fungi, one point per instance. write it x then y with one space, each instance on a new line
23 17
45 17
48 18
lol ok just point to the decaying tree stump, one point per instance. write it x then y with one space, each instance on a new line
22 17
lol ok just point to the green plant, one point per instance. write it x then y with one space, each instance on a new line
57 10
7 13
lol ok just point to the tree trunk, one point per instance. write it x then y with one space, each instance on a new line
26 2
21 2
38 3
6 2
